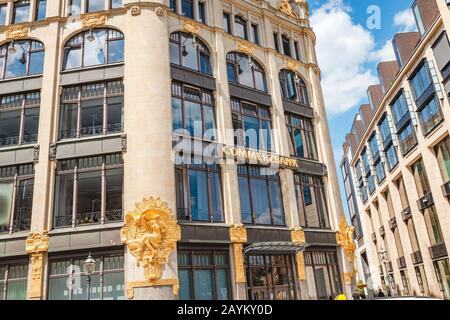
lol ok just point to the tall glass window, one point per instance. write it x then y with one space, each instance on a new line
381 174
420 178
88 191
91 109
21 58
385 131
442 151
204 274
74 7
311 201
193 111
373 143
293 87
21 11
41 8
260 196
391 156
240 27
399 108
252 125
419 21
93 48
245 71
255 33
115 4
430 115
3 10
442 268
19 118
13 281
16 198
302 142
107 281
371 183
199 192
407 138
95 5
421 80
286 43
190 52
226 22
202 11
187 8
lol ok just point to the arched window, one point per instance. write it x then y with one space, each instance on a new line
190 52
293 87
245 71
94 47
21 58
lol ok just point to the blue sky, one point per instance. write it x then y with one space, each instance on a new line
349 50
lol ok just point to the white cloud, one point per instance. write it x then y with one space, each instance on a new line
343 49
405 21
385 53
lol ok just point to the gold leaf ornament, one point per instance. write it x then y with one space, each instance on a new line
344 238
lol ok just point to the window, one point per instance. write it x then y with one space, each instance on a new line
16 198
275 41
116 4
187 8
193 111
297 50
21 11
96 185
21 58
95 5
391 156
286 45
204 274
270 277
226 22
260 196
421 80
252 125
255 33
293 87
311 201
430 116
373 143
442 269
240 27
399 108
418 17
41 7
322 274
3 10
199 192
245 71
365 162
385 131
93 48
442 151
173 5
433 226
91 109
402 193
74 7
19 118
190 52
371 184
202 11
13 281
407 138
302 142
420 178
107 281
379 168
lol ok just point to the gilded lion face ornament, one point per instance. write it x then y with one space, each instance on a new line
151 234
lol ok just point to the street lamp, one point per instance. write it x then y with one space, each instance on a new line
384 259
89 268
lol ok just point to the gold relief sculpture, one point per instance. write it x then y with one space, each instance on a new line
238 236
191 27
292 65
159 11
17 32
298 235
93 20
245 47
36 245
135 10
348 277
344 238
303 3
285 7
151 234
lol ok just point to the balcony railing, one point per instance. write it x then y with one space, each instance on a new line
89 218
416 257
425 202
401 262
20 223
438 251
446 189
406 214
382 231
393 223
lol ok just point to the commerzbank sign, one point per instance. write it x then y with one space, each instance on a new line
258 157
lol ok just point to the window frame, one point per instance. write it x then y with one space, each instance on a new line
7 279
233 59
307 127
20 4
299 85
27 54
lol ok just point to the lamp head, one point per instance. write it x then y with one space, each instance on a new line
89 265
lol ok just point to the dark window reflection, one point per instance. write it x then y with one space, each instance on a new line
190 52
245 71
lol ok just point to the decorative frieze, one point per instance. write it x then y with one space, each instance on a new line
17 32
93 20
238 236
36 246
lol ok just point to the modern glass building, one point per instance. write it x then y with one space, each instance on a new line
106 102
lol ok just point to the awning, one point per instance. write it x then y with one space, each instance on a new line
275 247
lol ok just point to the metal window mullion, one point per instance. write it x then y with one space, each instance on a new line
105 110
78 130
13 205
75 196
22 120
103 196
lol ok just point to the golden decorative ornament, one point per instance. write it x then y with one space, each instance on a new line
301 272
303 3
16 32
159 11
151 234
191 27
292 65
348 277
142 284
245 47
238 236
285 7
298 235
135 10
93 20
344 238
36 245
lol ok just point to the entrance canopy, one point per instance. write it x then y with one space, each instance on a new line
275 247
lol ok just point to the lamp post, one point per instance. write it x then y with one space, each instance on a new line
89 268
384 259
